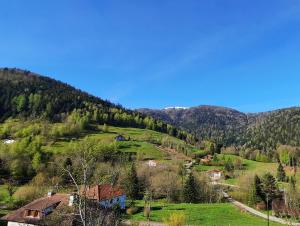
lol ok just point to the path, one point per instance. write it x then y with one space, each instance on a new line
257 213
144 223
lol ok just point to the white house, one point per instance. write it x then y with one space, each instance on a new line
151 163
9 141
215 174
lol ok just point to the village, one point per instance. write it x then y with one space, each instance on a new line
103 199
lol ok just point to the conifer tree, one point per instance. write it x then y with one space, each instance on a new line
132 184
269 188
281 176
190 194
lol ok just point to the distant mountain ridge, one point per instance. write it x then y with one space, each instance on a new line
228 126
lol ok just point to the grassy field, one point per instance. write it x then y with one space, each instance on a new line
138 141
224 214
250 168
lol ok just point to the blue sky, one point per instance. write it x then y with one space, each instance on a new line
159 53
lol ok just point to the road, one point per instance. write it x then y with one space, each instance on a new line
257 213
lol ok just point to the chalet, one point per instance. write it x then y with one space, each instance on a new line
107 195
151 163
120 138
215 174
207 159
9 141
35 212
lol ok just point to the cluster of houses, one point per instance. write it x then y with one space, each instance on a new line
106 196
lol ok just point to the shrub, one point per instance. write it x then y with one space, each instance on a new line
176 219
25 193
132 210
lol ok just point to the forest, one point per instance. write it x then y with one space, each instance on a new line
28 95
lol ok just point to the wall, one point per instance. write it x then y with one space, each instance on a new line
18 224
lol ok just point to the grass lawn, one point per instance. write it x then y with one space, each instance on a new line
207 168
224 214
4 197
250 167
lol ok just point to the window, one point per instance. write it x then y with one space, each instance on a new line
32 213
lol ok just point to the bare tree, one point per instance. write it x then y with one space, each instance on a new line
80 167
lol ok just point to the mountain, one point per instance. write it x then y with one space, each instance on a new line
263 131
29 95
207 122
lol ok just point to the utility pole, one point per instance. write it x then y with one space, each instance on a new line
268 209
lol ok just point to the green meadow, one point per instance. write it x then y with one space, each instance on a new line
222 214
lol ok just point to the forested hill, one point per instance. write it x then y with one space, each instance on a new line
273 128
29 95
263 131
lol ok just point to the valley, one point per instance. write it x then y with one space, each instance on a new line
176 163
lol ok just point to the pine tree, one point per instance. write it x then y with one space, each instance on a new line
258 191
132 184
281 176
190 194
269 188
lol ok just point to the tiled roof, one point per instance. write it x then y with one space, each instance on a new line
104 192
38 205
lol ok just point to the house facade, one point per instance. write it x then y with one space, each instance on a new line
215 174
107 196
151 163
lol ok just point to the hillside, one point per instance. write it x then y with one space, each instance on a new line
29 95
207 122
261 131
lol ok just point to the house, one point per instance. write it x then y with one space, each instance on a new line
9 141
107 195
33 213
214 174
120 138
151 163
207 159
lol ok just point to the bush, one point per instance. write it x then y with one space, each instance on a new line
132 210
176 219
25 194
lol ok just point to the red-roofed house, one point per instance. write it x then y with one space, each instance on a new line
107 195
33 213
36 211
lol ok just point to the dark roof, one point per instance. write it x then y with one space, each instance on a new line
38 205
104 192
